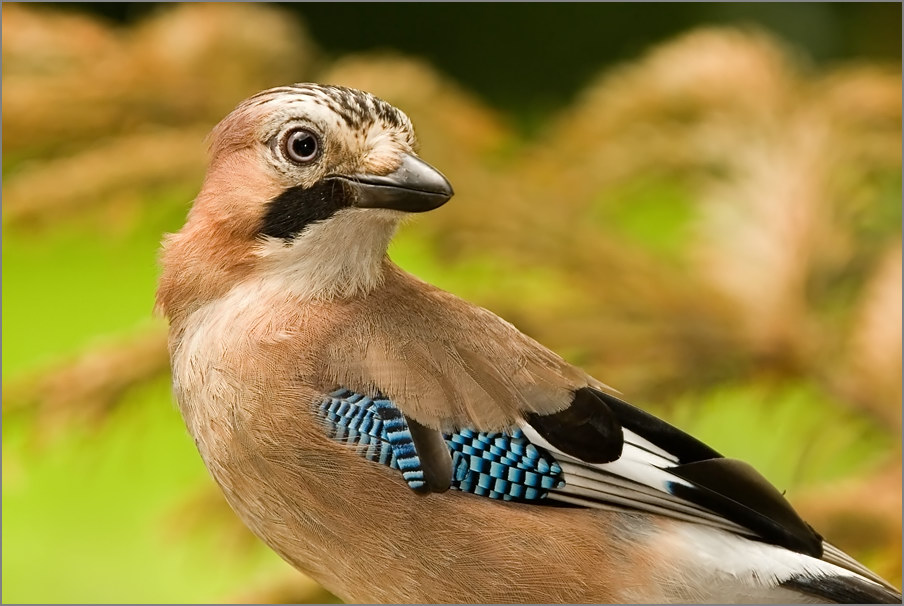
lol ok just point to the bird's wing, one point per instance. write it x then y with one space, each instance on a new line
467 401
552 458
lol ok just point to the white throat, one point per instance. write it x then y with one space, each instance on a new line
339 257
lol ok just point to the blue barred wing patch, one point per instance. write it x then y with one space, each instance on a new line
376 428
498 465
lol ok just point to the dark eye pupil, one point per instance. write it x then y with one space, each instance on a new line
302 146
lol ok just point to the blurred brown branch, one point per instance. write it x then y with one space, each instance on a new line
862 515
87 388
98 178
70 81
871 374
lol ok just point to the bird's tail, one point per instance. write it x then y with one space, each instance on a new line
870 589
843 590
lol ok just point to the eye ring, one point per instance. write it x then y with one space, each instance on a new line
301 146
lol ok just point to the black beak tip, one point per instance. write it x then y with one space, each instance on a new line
413 187
446 190
416 174
430 199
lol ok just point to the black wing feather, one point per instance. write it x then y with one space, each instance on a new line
591 430
686 447
737 491
587 429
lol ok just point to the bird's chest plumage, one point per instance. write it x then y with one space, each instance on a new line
244 376
256 428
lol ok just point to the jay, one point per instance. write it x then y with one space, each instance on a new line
399 444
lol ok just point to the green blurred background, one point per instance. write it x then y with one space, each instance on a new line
699 203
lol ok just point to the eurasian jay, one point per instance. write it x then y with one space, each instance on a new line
399 444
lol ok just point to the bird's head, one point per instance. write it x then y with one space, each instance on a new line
305 184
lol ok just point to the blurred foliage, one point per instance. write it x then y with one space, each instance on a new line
542 53
713 227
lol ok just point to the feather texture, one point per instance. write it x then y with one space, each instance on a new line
348 486
495 465
444 362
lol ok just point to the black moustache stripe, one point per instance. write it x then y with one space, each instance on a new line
289 213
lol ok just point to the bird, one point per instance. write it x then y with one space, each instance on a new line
399 444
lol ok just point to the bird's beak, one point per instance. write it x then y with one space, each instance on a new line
414 187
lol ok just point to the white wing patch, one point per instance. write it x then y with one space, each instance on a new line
750 562
637 480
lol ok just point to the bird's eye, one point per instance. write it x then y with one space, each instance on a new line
301 146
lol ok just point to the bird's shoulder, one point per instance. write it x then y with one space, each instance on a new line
444 361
